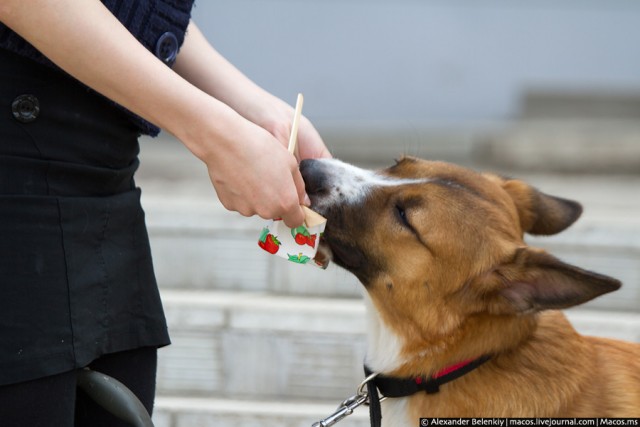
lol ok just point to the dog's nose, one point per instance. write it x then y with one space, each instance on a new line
315 179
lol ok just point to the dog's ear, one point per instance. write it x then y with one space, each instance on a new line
541 213
534 280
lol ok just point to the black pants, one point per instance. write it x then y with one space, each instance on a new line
55 402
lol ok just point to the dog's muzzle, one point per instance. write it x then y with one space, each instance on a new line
315 177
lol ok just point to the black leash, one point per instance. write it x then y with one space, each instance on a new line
375 412
402 387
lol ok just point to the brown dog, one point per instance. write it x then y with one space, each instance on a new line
449 279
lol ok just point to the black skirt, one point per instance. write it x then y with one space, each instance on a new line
76 277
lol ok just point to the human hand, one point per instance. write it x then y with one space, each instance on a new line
310 144
276 116
251 171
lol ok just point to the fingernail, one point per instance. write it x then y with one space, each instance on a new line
307 200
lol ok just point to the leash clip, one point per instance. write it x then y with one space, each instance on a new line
347 407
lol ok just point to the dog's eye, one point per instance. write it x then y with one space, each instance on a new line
402 216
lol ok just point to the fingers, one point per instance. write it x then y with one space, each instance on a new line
274 192
289 210
268 183
310 144
299 183
294 216
286 206
289 193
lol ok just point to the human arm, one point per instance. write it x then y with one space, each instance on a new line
240 155
206 68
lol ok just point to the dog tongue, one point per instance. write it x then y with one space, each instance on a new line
323 256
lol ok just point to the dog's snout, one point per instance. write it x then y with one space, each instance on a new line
314 179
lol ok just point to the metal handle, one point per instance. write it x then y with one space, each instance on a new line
115 397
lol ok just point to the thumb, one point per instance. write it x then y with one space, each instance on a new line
303 198
295 216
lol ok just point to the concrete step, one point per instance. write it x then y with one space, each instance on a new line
538 145
213 412
250 345
593 146
243 345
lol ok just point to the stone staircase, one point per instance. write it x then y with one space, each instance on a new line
258 341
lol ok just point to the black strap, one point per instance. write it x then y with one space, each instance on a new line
375 412
402 387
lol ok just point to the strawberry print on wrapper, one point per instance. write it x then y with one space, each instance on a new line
298 245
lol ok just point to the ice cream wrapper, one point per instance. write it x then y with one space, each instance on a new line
298 245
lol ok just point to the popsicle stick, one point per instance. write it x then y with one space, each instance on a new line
311 218
293 138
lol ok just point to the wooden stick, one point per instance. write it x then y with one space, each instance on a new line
311 218
293 138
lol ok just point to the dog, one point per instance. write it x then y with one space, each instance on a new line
451 285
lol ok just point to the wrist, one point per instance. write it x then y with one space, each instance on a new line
207 127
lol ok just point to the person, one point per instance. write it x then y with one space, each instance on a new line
80 81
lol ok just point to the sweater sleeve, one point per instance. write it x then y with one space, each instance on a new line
159 25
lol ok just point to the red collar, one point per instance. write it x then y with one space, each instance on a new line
400 387
452 368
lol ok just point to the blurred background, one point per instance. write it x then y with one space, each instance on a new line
547 91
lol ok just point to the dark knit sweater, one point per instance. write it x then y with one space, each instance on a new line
147 20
